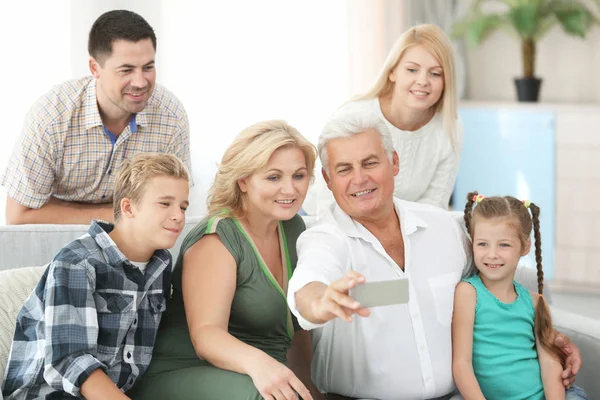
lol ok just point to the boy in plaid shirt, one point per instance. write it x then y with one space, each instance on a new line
89 327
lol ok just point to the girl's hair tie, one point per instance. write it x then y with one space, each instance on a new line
526 203
478 197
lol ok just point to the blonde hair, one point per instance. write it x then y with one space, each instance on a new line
135 174
435 41
249 153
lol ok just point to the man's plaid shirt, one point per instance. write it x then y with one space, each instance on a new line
92 309
64 151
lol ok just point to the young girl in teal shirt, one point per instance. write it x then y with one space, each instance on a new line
502 335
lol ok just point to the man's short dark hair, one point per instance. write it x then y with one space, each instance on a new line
117 25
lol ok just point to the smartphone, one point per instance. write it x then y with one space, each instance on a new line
381 293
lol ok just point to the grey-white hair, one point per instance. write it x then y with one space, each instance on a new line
349 123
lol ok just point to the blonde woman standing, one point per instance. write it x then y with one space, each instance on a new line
415 94
227 332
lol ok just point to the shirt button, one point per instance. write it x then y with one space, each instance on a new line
422 347
128 355
427 379
103 196
110 171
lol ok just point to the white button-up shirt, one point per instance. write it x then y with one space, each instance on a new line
399 351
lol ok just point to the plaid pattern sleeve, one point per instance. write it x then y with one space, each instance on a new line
180 145
91 309
30 173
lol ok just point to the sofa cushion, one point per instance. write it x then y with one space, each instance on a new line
15 287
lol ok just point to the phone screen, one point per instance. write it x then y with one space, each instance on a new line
381 293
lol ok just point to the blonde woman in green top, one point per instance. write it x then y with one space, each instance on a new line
227 332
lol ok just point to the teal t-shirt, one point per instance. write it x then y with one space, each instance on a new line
505 359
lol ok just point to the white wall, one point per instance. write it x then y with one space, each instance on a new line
373 27
32 61
265 59
569 67
232 63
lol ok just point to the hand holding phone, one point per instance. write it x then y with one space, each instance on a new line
381 293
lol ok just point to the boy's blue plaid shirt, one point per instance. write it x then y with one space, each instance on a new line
92 309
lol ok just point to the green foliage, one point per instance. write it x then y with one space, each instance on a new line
530 19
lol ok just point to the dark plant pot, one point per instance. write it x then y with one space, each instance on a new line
528 89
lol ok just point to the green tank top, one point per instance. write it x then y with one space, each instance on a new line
259 313
505 359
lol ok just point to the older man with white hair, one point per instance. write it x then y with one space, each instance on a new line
400 351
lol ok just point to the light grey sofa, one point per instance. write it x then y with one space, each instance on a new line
30 245
35 245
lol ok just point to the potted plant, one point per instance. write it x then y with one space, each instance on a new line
531 20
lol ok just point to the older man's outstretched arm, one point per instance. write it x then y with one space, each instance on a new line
319 303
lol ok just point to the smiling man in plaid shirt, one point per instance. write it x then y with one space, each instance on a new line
77 135
89 327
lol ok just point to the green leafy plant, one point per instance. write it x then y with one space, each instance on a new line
530 19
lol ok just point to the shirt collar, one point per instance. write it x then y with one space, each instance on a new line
99 231
133 123
140 118
92 113
409 221
90 106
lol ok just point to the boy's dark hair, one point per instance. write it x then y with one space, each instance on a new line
117 25
517 212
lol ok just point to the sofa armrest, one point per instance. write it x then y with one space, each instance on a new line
585 333
15 287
